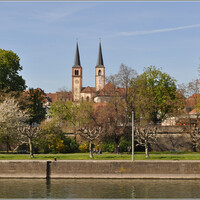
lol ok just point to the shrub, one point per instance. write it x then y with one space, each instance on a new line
84 147
108 144
108 147
124 144
71 145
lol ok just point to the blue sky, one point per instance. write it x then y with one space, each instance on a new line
137 34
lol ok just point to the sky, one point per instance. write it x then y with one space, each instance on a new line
137 34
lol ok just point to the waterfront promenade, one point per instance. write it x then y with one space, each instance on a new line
151 169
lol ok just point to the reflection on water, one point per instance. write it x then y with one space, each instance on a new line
102 188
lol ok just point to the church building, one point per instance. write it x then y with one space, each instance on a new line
80 93
99 94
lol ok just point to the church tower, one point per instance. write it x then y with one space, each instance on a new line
76 76
99 71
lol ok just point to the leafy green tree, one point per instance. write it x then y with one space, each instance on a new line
36 107
10 80
156 96
33 100
53 139
50 136
84 116
61 110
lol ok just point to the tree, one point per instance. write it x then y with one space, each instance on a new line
33 100
28 132
61 110
86 122
145 136
116 115
11 118
90 135
36 106
194 132
52 136
64 112
112 118
53 139
10 80
156 96
79 116
123 79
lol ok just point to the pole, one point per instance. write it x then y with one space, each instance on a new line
132 136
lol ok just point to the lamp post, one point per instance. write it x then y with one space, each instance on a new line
132 135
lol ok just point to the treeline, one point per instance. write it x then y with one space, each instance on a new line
152 96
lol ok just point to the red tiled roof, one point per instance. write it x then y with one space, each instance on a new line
110 89
192 100
53 96
64 95
60 96
88 89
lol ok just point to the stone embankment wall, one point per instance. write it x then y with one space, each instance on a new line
101 169
23 169
173 138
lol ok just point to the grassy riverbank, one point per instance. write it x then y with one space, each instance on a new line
104 156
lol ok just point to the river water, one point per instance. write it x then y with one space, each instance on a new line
98 188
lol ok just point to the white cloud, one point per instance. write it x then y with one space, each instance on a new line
134 33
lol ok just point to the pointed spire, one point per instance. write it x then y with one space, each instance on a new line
77 57
100 57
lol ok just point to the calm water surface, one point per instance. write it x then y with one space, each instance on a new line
102 188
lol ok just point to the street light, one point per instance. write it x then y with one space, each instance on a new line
132 135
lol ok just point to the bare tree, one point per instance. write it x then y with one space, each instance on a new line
116 115
28 134
123 79
194 132
90 135
145 136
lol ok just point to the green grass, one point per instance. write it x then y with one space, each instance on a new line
104 156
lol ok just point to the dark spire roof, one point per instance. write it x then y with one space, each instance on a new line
77 57
100 57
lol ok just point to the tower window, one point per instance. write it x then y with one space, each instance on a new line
99 73
76 72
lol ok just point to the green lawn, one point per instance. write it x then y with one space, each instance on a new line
104 156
